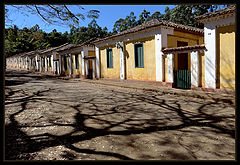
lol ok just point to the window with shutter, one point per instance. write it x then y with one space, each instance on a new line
138 54
65 63
109 58
49 59
76 61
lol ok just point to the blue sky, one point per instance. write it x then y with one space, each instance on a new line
109 14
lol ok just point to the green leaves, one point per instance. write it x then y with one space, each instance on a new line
182 14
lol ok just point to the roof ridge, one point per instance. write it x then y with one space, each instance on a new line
225 10
153 23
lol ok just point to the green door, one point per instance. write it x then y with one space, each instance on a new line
182 79
182 76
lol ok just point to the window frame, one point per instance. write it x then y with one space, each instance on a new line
49 61
139 61
65 62
109 58
76 61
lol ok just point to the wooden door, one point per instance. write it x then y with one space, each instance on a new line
182 76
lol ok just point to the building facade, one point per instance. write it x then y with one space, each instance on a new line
137 53
219 39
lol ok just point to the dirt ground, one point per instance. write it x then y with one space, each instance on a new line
53 119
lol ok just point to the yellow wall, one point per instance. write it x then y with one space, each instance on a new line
79 70
226 56
74 70
191 39
63 68
110 72
91 53
49 61
149 70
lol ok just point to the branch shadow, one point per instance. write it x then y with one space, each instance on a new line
18 143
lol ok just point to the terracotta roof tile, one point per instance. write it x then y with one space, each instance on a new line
154 23
183 48
71 46
227 10
66 47
53 48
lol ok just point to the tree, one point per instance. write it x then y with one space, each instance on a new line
167 14
131 20
55 14
182 14
123 24
119 26
155 15
143 17
82 34
55 38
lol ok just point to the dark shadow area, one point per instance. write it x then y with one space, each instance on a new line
15 82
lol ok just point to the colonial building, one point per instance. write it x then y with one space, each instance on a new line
77 60
177 55
137 53
219 39
46 60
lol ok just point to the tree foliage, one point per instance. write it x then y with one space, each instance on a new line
182 14
24 40
123 24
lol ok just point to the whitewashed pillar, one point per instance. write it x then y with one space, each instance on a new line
170 67
122 64
30 63
46 63
97 62
57 64
60 64
40 64
86 67
94 68
210 56
21 63
18 63
158 55
194 69
53 64
70 65
86 61
160 42
36 60
27 61
83 63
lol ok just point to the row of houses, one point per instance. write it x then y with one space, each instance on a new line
177 55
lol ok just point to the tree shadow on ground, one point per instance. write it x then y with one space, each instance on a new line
18 143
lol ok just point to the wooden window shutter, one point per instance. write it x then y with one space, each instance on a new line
138 53
109 58
76 61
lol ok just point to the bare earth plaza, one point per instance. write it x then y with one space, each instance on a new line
157 91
